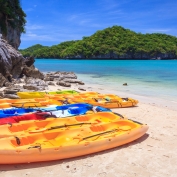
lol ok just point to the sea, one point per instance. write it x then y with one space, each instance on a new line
150 78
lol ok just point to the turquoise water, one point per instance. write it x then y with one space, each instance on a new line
156 78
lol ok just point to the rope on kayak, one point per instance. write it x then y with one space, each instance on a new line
18 140
68 125
100 134
37 146
136 121
119 115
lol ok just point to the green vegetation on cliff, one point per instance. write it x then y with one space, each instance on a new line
12 15
114 42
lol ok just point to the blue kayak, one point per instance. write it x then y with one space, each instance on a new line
59 111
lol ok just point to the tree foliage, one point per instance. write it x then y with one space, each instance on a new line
11 14
115 42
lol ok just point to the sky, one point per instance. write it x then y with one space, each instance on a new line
50 22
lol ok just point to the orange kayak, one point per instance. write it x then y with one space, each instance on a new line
35 126
56 144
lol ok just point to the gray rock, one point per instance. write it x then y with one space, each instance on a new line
29 61
3 80
31 87
15 86
34 72
65 84
1 93
11 96
11 61
13 36
49 79
11 91
8 84
81 88
125 84
33 81
73 81
51 83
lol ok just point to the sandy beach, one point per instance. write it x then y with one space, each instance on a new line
153 155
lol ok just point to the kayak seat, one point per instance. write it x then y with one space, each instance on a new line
82 118
98 128
22 141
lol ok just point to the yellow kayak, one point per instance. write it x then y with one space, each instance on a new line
112 103
56 144
29 103
24 95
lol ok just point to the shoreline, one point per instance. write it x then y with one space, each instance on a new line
101 59
159 102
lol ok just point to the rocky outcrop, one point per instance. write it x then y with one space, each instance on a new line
11 61
14 65
3 80
12 37
33 72
28 84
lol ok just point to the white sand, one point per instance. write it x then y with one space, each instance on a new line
153 155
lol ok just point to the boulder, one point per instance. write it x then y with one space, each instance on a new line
34 87
3 80
125 84
81 88
62 83
11 91
1 93
29 61
33 72
8 84
11 96
14 65
73 81
51 83
11 61
38 82
49 79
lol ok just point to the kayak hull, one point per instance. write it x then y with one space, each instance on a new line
63 145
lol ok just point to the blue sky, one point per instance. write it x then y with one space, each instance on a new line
50 22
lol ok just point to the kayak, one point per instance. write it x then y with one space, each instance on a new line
14 112
59 111
63 92
34 104
106 103
42 125
21 100
24 95
57 143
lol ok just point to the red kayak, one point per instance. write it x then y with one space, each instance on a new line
32 116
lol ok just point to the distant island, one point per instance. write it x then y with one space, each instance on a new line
111 43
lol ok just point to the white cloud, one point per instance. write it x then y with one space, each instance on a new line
33 27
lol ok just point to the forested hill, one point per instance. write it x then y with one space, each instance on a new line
111 43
